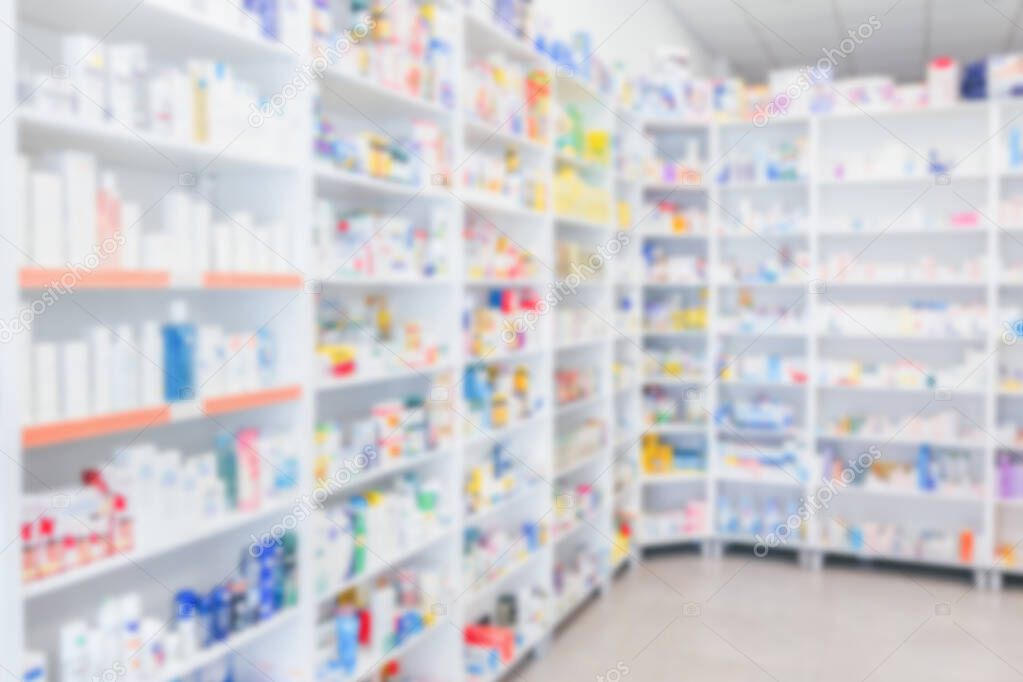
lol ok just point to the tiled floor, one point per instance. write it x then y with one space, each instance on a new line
747 619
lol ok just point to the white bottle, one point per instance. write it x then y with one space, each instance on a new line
74 652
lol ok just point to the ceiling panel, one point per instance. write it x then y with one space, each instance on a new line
910 32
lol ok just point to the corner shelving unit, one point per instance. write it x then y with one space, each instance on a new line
287 188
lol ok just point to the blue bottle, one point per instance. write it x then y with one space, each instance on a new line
925 481
179 355
347 630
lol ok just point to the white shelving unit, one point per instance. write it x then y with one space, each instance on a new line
287 188
981 188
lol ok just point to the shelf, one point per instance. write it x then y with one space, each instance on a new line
363 380
71 430
395 468
482 132
387 282
479 435
238 280
773 479
486 31
113 142
650 284
763 185
764 285
685 334
568 533
871 235
520 654
160 23
330 178
880 439
566 159
528 490
500 355
674 236
484 589
580 464
482 201
580 404
672 540
764 385
377 566
580 345
904 284
229 647
899 390
575 605
133 280
915 495
44 278
499 283
726 430
375 661
671 124
673 478
371 97
582 224
674 381
881 556
251 401
670 429
678 187
208 528
879 181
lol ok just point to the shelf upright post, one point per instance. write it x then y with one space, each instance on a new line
815 289
11 597
989 524
713 342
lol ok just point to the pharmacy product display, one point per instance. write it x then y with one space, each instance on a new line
404 46
368 622
519 619
374 336
498 321
491 254
499 395
503 94
363 245
105 372
490 554
496 478
79 214
393 456
262 586
394 433
407 160
147 498
193 101
370 531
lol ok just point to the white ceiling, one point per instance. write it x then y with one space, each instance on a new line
756 36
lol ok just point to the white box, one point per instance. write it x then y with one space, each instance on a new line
78 177
101 367
46 406
46 216
74 373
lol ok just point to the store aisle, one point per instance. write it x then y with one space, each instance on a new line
753 619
